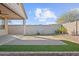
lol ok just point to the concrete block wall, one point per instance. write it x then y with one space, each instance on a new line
33 29
42 29
16 29
78 27
71 27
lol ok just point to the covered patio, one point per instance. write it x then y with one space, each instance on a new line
11 11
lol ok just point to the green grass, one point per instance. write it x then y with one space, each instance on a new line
68 47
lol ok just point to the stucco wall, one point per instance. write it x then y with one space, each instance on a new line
71 27
2 32
1 27
33 29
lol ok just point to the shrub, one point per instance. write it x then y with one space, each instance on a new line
38 33
61 30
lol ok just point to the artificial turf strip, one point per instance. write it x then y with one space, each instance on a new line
68 47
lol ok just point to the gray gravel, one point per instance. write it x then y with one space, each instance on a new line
10 40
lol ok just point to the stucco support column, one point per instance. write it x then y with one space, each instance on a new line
24 25
6 24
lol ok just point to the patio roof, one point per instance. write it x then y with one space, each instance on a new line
13 11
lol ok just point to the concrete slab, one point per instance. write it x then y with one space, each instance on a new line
10 40
5 39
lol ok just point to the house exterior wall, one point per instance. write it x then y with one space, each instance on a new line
33 29
71 27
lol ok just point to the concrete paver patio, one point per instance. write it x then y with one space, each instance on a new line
29 40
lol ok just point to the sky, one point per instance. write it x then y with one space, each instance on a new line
45 13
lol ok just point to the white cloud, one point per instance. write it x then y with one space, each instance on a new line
44 14
38 12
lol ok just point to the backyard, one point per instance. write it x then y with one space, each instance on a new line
68 47
39 29
14 46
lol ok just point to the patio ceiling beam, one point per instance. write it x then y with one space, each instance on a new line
22 8
12 11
